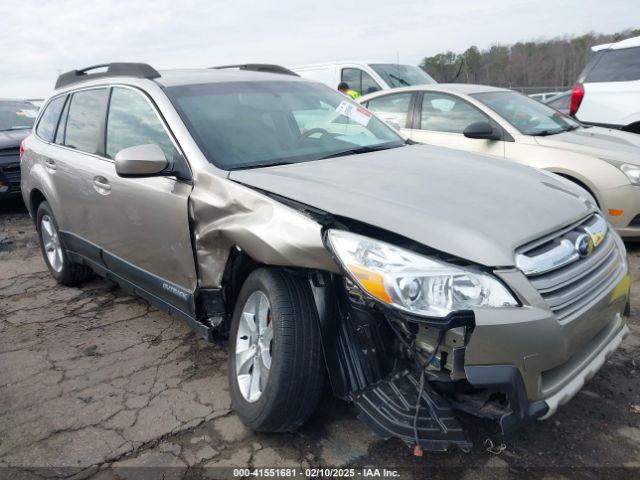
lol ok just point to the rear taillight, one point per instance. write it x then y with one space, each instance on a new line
577 94
21 151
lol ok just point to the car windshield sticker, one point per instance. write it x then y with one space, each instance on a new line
27 113
354 112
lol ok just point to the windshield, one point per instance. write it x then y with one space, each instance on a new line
250 124
527 115
402 75
15 115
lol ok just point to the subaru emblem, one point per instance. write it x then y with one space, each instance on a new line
584 245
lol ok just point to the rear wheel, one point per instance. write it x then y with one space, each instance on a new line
276 370
61 268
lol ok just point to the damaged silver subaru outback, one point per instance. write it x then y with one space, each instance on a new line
420 281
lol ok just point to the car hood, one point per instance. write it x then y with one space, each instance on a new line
608 144
471 206
13 138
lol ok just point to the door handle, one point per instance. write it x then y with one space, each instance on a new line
101 185
50 164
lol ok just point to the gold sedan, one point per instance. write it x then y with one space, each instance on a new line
506 124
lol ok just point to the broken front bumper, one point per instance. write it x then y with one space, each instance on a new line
525 354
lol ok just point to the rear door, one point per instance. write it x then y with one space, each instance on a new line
440 118
73 161
394 109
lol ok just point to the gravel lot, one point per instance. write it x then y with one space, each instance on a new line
91 377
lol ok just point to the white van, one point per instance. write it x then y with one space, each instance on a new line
365 77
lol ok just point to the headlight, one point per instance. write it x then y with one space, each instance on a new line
413 282
632 172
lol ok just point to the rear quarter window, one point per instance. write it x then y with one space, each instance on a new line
616 66
47 125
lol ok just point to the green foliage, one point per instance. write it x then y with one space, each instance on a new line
534 63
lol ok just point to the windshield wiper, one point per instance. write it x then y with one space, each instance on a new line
546 133
23 127
365 149
401 80
248 166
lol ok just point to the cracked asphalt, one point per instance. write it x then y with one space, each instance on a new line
92 378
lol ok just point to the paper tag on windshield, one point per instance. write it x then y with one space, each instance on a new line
354 112
27 113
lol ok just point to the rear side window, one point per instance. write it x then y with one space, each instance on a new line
85 119
393 109
132 121
47 125
616 66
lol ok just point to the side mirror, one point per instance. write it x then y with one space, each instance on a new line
140 161
482 130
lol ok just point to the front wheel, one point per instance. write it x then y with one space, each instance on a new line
276 369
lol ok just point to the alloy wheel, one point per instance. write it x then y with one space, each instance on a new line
254 342
51 242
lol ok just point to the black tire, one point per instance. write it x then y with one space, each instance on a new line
296 377
70 273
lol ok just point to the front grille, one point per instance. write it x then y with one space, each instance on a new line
11 170
579 282
10 152
12 173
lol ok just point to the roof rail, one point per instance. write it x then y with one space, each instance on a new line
119 69
259 67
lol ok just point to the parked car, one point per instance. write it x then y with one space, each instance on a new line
16 120
420 280
607 92
561 102
509 125
365 77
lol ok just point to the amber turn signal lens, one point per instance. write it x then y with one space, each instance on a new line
372 282
615 213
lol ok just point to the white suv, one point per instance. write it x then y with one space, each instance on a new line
607 92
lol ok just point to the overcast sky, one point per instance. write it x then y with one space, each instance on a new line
42 38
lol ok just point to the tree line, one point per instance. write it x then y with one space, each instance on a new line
535 63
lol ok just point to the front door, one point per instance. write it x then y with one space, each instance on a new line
441 118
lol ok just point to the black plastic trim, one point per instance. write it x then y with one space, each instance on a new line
388 408
508 380
167 295
170 292
84 248
116 69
